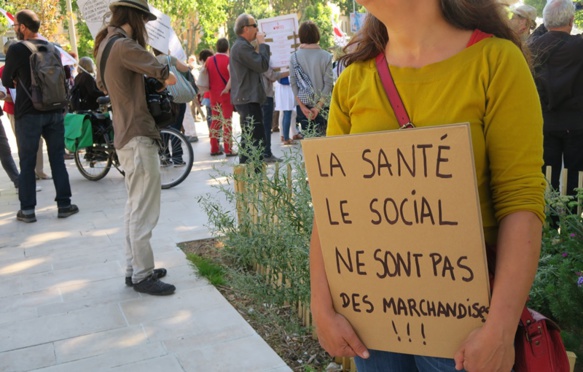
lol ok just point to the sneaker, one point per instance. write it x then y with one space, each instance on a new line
65 212
28 218
192 138
231 154
152 286
179 163
271 159
38 188
158 273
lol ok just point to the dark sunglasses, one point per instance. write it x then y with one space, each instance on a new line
252 25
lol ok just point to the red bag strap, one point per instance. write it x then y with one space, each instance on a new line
392 93
391 90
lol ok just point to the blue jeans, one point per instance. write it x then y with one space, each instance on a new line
286 124
380 361
29 129
267 108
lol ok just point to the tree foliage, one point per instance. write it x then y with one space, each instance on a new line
321 15
198 23
49 12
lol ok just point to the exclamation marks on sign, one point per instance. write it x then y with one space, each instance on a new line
409 332
397 333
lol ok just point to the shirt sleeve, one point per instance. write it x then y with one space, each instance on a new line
135 58
514 136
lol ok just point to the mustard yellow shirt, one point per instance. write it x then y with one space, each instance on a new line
488 85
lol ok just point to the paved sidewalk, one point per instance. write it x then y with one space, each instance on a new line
63 302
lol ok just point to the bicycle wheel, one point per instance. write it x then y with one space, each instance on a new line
93 162
176 157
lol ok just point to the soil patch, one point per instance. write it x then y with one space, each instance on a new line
279 326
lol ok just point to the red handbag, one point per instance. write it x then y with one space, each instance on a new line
538 345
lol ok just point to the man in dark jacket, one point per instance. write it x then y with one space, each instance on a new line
247 93
31 124
558 65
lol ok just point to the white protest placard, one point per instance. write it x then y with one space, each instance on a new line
93 12
281 36
160 33
400 227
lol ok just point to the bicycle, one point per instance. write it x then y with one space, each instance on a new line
95 162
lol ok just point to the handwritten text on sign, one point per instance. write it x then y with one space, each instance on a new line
401 234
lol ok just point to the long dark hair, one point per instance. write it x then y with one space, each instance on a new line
120 16
486 15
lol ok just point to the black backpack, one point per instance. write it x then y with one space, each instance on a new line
48 90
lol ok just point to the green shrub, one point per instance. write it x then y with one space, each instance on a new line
266 223
557 291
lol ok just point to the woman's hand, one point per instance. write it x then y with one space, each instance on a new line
335 333
315 111
171 80
338 338
486 349
225 91
307 112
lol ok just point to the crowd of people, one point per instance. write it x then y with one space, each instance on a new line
240 79
517 83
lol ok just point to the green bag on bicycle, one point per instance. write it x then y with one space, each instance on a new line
78 132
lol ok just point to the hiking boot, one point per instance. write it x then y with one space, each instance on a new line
28 218
152 286
158 273
68 211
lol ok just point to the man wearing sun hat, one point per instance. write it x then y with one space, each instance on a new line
136 138
523 20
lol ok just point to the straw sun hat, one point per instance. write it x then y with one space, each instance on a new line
136 4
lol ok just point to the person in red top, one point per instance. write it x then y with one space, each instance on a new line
222 108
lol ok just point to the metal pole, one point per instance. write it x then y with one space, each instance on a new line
72 36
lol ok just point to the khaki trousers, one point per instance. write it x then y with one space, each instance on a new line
141 164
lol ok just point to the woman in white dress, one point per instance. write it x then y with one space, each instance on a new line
285 104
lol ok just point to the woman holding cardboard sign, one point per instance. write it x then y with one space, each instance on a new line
451 61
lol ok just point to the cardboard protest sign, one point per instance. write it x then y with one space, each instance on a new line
281 36
400 228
